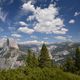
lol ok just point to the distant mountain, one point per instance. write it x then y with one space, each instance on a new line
12 55
59 51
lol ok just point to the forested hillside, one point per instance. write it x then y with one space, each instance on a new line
42 68
36 74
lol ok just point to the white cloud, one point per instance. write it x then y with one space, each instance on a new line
28 7
33 42
72 21
60 37
64 38
22 23
3 15
48 23
30 18
34 37
26 30
77 13
47 20
16 35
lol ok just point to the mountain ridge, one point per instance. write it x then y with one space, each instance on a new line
9 55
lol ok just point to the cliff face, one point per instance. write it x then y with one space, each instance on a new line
11 43
9 55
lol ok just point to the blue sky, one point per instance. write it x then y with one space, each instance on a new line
40 20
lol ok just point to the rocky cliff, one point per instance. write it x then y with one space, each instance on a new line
10 55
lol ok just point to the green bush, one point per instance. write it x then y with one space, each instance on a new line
36 74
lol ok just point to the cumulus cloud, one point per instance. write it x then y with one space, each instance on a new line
72 21
16 35
28 7
77 13
47 20
3 15
26 30
30 18
22 23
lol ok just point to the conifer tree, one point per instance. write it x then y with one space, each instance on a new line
44 59
34 60
69 65
77 58
29 58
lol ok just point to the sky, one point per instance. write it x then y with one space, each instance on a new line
38 21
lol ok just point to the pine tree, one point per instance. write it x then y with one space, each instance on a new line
44 59
35 60
69 65
77 58
29 59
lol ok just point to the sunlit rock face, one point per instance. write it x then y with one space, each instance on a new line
10 55
11 44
